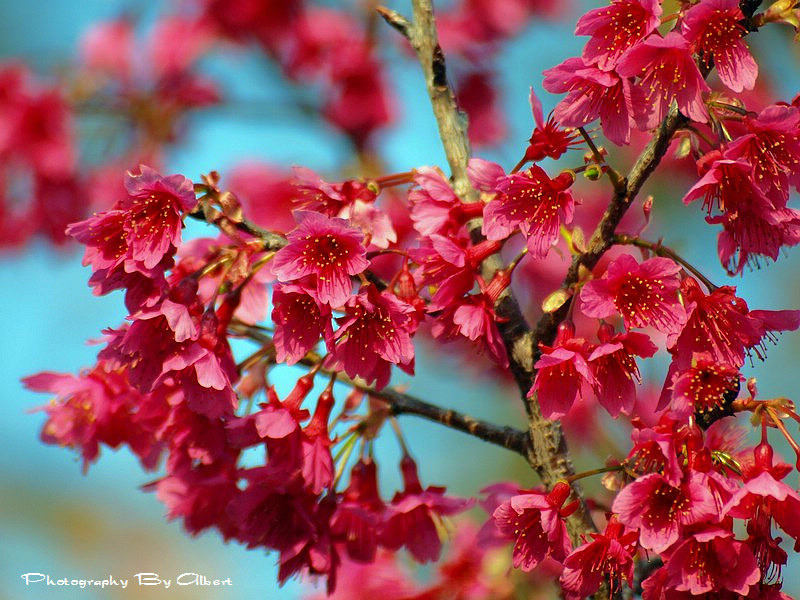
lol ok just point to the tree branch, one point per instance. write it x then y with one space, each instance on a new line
547 451
401 403
507 437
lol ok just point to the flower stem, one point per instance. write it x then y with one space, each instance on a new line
592 472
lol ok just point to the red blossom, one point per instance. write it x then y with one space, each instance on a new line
328 249
532 202
704 386
435 208
714 28
97 407
614 367
374 334
410 520
450 264
200 496
360 512
549 138
300 321
711 561
562 372
660 511
645 294
616 28
772 147
609 555
721 324
592 93
668 72
535 521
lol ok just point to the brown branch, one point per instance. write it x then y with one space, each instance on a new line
421 34
506 437
401 403
547 451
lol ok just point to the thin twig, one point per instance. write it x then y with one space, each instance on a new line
401 403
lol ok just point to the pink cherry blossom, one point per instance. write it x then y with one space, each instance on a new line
616 28
609 554
592 93
300 321
535 521
562 372
374 334
711 560
668 72
409 519
532 202
328 249
549 138
660 510
714 28
614 367
645 294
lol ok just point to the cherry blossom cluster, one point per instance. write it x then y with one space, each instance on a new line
338 280
132 86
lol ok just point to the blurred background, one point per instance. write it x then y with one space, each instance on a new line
56 520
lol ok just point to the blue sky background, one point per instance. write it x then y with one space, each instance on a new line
56 520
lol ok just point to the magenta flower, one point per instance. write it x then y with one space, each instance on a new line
359 514
200 496
300 321
609 555
532 202
374 334
764 496
592 93
773 149
409 519
96 407
645 294
451 265
721 324
749 234
654 449
703 387
616 28
272 511
549 138
535 521
729 186
328 249
667 72
712 561
562 372
330 199
131 246
714 28
474 318
660 511
107 251
435 208
614 367
154 210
